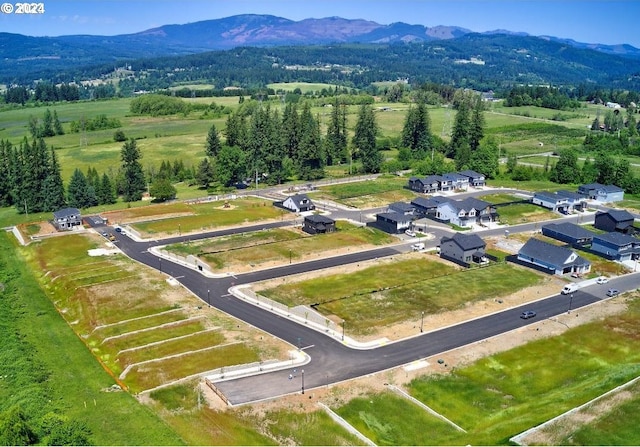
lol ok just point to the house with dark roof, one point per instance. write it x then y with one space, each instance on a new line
466 212
318 224
463 249
476 179
402 208
616 246
426 185
427 206
590 190
67 219
551 200
552 258
393 223
576 201
458 182
298 203
614 220
610 193
568 232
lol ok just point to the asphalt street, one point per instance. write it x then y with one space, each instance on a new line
331 361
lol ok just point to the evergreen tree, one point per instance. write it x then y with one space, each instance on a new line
133 182
57 127
291 130
310 153
364 140
463 155
476 130
34 127
213 145
485 158
336 140
6 151
80 194
106 193
589 172
15 428
236 130
205 175
416 131
47 125
231 165
54 193
460 135
35 169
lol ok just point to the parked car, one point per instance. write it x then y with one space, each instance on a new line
613 292
112 237
417 246
569 288
602 280
527 314
118 230
410 233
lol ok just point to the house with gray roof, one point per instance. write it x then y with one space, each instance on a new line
568 232
551 200
576 201
298 203
552 258
463 249
318 224
426 185
466 212
610 193
476 179
616 246
402 208
458 182
427 206
614 220
67 219
590 190
393 223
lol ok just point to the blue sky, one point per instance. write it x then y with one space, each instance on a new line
593 21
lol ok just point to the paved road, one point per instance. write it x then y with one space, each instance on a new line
331 360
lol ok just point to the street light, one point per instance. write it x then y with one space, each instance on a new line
179 232
160 262
289 256
342 330
422 321
208 300
303 381
570 302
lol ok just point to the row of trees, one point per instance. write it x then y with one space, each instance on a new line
30 179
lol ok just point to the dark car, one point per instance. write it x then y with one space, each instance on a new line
613 292
527 314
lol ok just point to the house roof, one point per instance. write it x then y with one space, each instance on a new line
549 253
465 241
471 174
319 218
618 239
394 217
300 198
551 196
66 212
592 186
455 176
570 229
433 179
469 203
431 202
403 206
617 215
609 189
570 195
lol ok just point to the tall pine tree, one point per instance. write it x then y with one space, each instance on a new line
133 182
336 140
416 131
364 140
53 188
212 146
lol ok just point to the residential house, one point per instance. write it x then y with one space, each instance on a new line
576 201
616 246
427 207
614 220
551 200
67 219
426 185
298 203
402 208
466 212
476 179
590 190
610 193
552 258
393 223
318 224
568 232
458 182
463 249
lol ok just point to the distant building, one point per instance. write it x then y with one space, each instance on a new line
615 220
318 224
552 258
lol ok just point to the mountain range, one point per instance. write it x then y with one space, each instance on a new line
36 56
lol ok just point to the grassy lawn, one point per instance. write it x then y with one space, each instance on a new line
524 212
507 393
210 215
71 382
279 245
497 199
387 294
368 194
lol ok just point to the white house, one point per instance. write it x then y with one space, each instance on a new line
299 203
551 200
